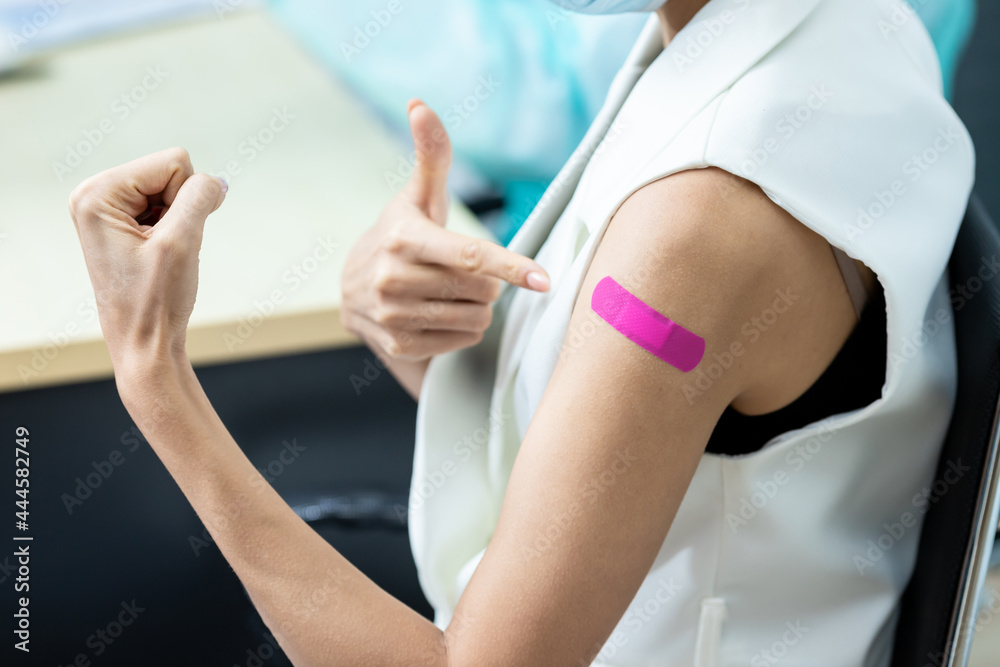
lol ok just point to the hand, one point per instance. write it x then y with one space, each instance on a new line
411 288
141 227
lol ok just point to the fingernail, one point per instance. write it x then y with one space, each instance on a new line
225 186
412 104
537 281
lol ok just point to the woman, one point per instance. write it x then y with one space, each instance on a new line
634 513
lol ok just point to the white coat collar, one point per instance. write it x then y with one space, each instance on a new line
723 40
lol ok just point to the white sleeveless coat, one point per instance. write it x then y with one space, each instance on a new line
799 552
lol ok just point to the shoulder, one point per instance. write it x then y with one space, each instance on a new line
831 125
713 253
841 84
717 228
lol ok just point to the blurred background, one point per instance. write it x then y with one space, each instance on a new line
300 105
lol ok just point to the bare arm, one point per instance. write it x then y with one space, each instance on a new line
716 262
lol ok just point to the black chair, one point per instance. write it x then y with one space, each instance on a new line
937 622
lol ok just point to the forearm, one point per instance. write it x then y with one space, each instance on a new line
409 374
322 610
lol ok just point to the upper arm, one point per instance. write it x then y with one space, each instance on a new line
616 439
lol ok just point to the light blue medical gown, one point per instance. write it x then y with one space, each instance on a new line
517 82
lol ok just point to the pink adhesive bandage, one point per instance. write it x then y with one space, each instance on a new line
646 327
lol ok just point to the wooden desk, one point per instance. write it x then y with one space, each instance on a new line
314 175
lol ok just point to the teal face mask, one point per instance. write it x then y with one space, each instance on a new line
610 6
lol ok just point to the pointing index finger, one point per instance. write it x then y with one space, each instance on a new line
444 247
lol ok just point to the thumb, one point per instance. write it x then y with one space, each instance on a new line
197 197
427 187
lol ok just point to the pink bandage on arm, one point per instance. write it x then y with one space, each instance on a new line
646 327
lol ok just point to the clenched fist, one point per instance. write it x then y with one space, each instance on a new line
141 227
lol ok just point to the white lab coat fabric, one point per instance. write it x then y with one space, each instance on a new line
798 552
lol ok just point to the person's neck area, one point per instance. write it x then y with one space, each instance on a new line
676 14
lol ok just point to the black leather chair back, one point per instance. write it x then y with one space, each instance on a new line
937 621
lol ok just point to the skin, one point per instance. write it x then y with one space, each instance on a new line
715 250
412 289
